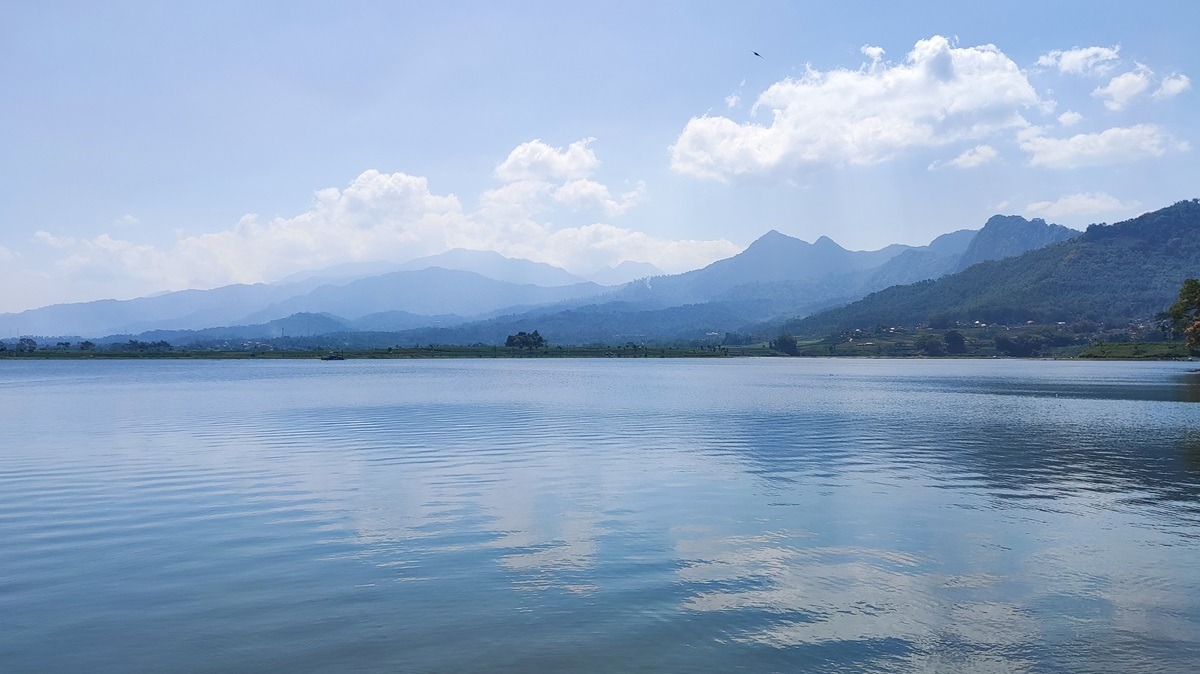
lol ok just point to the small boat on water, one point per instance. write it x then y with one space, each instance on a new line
333 356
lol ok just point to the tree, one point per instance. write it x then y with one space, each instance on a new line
1185 313
525 340
955 342
786 344
27 344
87 345
1021 346
931 345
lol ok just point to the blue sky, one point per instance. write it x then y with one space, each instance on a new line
155 146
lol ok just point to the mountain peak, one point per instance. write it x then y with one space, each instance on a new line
828 243
1008 235
777 238
496 266
772 237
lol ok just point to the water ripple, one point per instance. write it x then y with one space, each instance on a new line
769 515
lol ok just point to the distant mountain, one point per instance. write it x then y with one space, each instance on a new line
495 266
345 272
428 292
776 277
798 276
778 257
655 309
623 273
428 297
772 258
185 309
1008 235
485 263
394 321
939 258
608 323
1110 274
298 325
722 300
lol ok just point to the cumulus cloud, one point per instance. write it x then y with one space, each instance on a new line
1172 86
107 261
52 240
396 216
1084 203
732 100
1069 118
976 156
597 245
378 215
1123 88
537 160
873 53
1112 146
939 94
587 194
1082 60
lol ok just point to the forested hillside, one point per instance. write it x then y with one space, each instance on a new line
1111 274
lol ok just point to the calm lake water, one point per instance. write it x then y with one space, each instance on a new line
596 515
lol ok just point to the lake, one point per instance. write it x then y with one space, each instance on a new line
651 515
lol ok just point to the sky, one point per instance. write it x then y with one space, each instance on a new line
154 146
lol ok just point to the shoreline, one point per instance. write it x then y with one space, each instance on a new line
476 353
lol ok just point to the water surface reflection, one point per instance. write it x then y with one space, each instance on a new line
770 515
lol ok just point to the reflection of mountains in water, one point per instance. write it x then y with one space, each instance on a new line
1040 443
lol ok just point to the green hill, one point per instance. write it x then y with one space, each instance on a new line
1111 275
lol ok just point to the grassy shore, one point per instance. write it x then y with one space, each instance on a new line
1139 351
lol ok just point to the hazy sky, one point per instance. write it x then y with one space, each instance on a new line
149 146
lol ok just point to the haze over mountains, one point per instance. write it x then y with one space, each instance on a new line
471 296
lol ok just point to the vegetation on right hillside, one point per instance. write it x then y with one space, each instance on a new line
1111 275
1185 313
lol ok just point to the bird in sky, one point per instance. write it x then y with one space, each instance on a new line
757 54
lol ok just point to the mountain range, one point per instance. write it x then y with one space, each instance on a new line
476 296
1111 274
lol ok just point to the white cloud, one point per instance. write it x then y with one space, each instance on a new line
976 156
1113 146
940 94
1124 88
873 53
586 194
1069 118
6 254
1172 86
536 160
514 203
126 219
378 216
52 240
395 217
1082 60
732 100
1083 203
597 245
